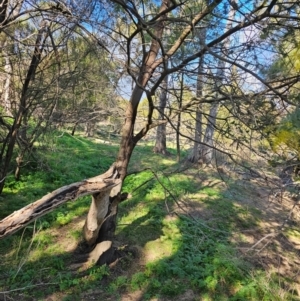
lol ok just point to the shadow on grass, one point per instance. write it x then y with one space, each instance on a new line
192 254
185 252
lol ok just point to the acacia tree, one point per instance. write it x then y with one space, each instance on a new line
149 25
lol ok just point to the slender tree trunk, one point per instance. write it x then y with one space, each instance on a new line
206 149
12 136
161 140
74 128
3 11
178 150
19 161
179 120
7 83
195 154
24 146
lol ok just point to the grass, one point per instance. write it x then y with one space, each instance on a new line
184 248
184 253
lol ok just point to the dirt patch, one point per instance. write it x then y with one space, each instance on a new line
271 244
273 240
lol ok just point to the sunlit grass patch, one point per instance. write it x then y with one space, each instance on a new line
183 223
167 244
293 233
141 211
210 191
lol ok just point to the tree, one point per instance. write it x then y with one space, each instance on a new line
87 83
144 70
284 134
196 153
40 63
202 150
161 141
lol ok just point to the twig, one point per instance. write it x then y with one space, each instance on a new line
187 213
144 183
23 261
29 286
262 239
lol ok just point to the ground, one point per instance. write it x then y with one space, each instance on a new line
187 233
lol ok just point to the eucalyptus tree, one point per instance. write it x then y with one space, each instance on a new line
145 69
206 150
161 140
195 154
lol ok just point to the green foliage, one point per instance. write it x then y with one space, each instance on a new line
94 275
287 133
118 284
188 253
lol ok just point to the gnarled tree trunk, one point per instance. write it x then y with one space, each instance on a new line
96 229
101 184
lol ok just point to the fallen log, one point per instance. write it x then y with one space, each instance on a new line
19 219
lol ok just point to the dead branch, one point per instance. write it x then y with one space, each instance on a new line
19 219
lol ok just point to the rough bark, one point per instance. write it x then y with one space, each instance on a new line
96 215
206 149
194 156
6 89
179 120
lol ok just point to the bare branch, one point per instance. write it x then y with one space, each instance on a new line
19 219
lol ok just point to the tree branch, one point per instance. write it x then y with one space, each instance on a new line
19 219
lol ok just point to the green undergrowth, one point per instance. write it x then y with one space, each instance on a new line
178 219
58 160
187 253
